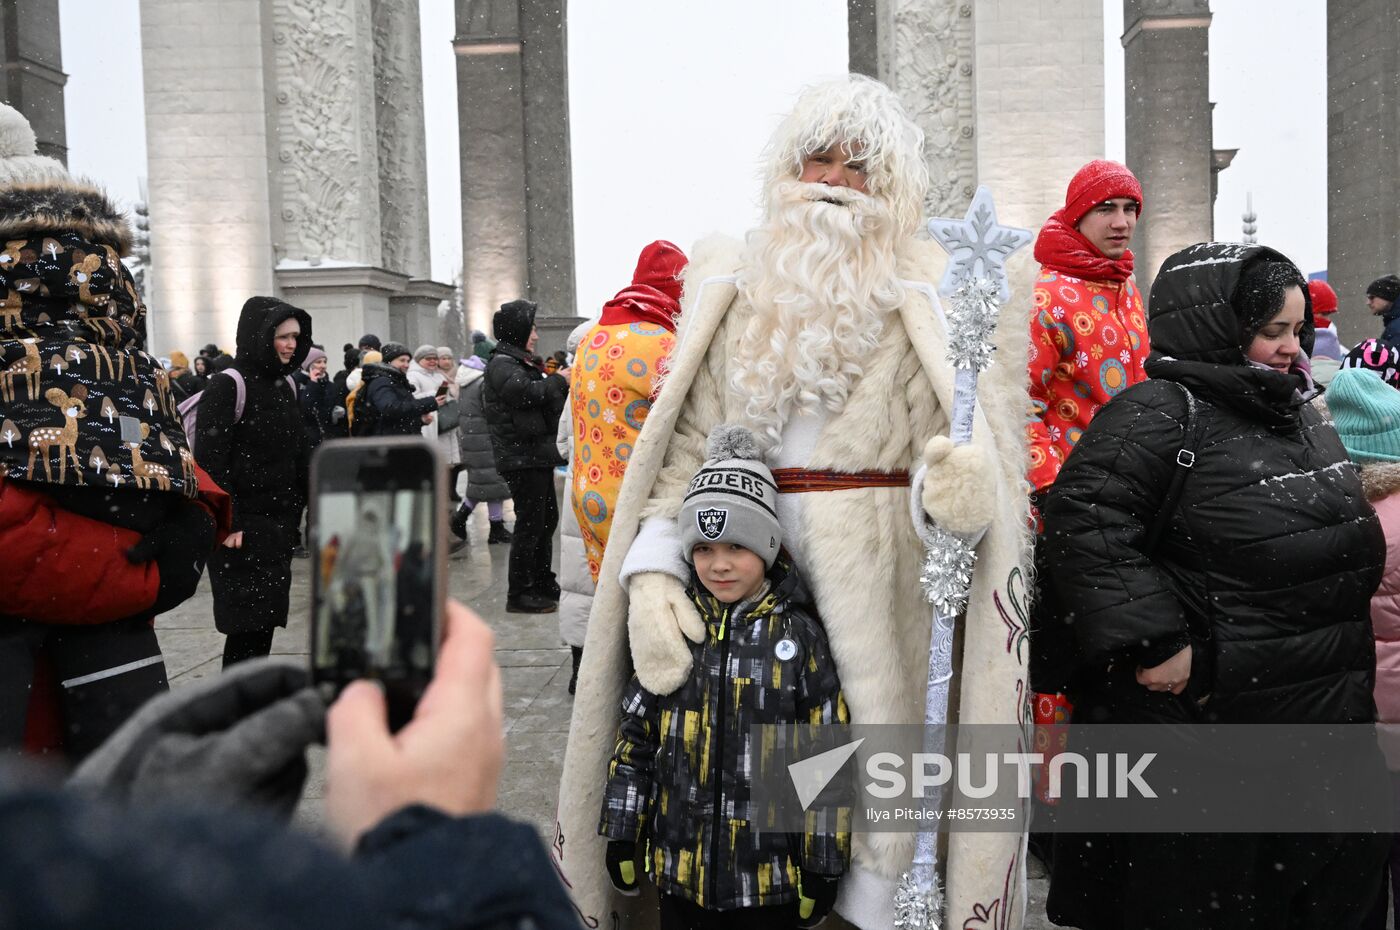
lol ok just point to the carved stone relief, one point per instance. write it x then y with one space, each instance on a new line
932 73
326 146
403 182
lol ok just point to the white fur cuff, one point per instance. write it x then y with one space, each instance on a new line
866 899
656 548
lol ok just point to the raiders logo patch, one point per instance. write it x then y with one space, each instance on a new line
711 522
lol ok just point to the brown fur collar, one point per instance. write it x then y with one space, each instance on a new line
1380 479
47 207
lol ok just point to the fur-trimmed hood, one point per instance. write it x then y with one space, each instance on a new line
1380 479
43 208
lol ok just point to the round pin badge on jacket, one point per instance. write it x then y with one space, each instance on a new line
785 650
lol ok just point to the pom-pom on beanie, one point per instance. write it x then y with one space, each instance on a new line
732 498
20 161
1366 413
1096 182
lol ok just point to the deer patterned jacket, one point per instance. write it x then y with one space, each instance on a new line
262 461
81 401
678 777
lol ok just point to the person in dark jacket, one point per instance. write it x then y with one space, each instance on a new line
712 865
522 407
396 411
158 831
1383 300
104 520
262 461
1229 619
316 393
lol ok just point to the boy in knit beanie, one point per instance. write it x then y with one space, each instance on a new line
761 658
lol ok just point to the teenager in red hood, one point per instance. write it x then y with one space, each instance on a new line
616 375
1088 344
1088 328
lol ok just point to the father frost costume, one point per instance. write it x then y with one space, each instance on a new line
821 333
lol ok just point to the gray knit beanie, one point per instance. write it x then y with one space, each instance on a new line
732 498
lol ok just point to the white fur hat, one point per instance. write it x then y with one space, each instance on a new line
19 161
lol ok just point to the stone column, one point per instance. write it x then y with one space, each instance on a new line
207 143
1363 155
287 157
1166 70
33 70
549 198
491 126
403 169
517 197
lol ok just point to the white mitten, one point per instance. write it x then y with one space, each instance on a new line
659 619
960 487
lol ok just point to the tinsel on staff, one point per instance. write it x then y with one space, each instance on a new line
976 276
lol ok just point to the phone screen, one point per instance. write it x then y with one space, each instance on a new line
378 566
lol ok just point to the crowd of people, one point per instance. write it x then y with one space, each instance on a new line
1185 508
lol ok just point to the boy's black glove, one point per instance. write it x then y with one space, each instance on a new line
622 866
180 546
817 898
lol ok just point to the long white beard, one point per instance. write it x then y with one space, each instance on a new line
821 278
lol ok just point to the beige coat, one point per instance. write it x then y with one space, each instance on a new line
860 556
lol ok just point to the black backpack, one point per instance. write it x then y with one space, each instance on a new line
1055 658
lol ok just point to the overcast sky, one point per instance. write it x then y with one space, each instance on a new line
663 92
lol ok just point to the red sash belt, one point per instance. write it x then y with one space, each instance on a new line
801 480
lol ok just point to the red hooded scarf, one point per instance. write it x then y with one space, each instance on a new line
1062 247
654 296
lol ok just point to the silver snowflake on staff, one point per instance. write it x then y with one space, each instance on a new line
972 319
916 908
977 245
947 571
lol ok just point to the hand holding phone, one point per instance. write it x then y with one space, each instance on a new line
442 389
448 757
378 514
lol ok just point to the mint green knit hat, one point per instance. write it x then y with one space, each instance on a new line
1366 414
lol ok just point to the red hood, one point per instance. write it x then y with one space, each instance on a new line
641 303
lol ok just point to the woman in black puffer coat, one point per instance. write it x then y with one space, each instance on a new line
1253 608
261 460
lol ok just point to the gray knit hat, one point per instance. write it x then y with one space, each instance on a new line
732 498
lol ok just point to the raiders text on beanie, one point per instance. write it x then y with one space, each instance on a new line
732 498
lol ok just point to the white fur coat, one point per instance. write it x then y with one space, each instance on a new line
855 542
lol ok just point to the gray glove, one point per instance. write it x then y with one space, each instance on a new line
239 738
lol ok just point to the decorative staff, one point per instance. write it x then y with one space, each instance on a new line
975 279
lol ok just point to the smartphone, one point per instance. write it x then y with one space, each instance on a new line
379 561
442 389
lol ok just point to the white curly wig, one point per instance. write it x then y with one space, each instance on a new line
821 272
868 117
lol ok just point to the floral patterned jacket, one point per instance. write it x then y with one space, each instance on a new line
1088 344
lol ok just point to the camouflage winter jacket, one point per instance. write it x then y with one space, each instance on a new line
681 784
